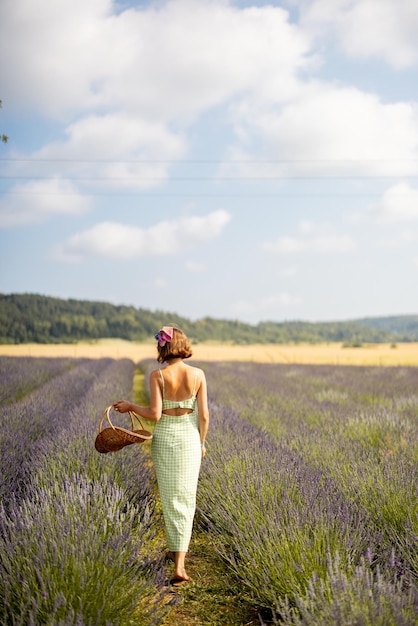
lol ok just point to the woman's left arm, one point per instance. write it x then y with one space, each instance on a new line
203 411
151 412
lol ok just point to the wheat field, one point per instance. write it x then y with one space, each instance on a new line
327 353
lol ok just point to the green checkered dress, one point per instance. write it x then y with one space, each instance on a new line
177 456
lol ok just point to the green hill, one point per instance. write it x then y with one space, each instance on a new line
28 318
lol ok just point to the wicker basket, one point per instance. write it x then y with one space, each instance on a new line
114 438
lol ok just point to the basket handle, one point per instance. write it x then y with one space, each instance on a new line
133 414
101 420
106 413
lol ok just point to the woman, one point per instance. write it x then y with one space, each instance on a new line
179 405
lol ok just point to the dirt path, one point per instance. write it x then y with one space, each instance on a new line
212 598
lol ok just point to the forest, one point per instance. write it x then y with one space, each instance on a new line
33 318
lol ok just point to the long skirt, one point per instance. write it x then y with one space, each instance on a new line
177 456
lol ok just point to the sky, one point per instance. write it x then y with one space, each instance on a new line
245 160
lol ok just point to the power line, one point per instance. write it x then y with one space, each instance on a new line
250 161
214 179
205 195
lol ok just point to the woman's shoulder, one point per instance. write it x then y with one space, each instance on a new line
197 371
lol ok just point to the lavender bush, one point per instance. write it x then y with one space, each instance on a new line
70 555
74 547
21 375
41 414
364 597
323 475
275 518
359 427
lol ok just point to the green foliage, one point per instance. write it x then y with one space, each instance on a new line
26 318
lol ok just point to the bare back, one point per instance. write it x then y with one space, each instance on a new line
179 383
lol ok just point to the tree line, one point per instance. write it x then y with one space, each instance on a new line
32 318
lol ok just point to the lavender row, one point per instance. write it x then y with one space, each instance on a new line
281 526
21 375
364 596
334 391
273 506
74 550
369 447
43 413
283 520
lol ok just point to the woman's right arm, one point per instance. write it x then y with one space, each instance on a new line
151 412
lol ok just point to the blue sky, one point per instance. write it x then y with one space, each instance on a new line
236 159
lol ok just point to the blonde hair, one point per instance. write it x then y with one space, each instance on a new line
178 347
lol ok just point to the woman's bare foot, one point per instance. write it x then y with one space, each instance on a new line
178 581
183 575
180 573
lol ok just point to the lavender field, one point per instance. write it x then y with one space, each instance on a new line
308 492
74 525
310 489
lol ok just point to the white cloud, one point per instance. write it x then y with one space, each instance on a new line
263 305
317 238
134 81
326 130
131 152
398 204
69 37
383 29
194 267
282 300
147 73
38 201
161 283
119 241
397 240
289 271
166 61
